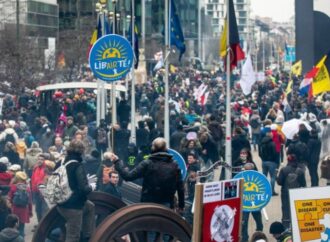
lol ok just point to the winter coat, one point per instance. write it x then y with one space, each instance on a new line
144 170
69 131
10 235
46 141
314 147
8 131
176 138
267 150
300 150
142 137
112 190
238 143
78 182
91 165
211 150
38 177
5 178
24 214
12 156
284 172
31 157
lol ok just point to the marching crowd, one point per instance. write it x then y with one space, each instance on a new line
35 138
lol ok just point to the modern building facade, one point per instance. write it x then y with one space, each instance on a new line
217 10
38 19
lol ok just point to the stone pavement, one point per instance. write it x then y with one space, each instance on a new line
273 209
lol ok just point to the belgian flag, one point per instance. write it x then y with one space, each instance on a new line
236 52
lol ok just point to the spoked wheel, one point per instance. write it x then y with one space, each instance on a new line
143 223
105 205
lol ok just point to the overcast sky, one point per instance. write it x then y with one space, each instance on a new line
282 10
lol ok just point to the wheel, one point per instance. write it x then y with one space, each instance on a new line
105 204
141 222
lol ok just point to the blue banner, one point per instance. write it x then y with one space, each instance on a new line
181 162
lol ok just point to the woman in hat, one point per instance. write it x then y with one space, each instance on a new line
21 207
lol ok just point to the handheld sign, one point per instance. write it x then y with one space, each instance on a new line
181 162
257 191
111 58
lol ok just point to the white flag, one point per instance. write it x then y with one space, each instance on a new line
248 77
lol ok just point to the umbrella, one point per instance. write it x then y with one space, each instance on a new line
291 127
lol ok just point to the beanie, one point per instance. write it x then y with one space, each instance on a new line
276 228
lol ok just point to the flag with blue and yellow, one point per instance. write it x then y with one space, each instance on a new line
176 33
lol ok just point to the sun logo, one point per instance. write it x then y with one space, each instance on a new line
251 187
111 53
111 50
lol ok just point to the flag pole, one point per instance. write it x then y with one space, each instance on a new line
167 35
228 99
133 128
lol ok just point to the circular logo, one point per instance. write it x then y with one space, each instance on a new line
181 162
111 58
257 191
222 223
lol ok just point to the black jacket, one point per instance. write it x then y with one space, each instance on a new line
284 172
78 182
144 170
238 143
314 146
176 139
267 150
112 190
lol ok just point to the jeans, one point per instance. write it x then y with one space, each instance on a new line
41 206
271 168
21 227
153 236
312 167
255 140
78 220
245 222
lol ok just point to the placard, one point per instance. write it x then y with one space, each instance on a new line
310 214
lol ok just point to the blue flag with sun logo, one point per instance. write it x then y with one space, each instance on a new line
176 34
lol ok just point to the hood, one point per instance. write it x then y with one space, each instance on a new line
33 151
9 131
8 234
161 156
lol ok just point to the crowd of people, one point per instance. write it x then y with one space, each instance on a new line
35 138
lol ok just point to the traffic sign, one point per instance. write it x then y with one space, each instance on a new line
181 162
257 191
111 58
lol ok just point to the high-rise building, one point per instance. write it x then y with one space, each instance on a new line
217 10
38 19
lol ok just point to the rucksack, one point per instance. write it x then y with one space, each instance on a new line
105 174
58 189
101 136
254 123
10 138
165 176
21 196
292 179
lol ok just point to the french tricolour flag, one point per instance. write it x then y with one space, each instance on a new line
306 83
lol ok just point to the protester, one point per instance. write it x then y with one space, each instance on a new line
77 211
161 176
314 146
11 233
112 187
280 232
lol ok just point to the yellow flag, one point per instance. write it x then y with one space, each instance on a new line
296 69
173 69
321 82
289 87
223 41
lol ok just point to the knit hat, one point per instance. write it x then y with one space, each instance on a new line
276 228
15 167
21 175
4 160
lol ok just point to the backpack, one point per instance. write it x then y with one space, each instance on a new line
291 180
101 137
105 174
21 196
58 188
254 123
10 138
164 178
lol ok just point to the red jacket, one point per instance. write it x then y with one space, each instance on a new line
38 176
24 214
277 139
5 178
